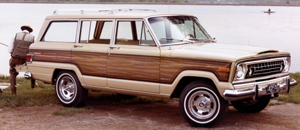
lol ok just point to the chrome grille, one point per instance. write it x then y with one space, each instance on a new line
264 69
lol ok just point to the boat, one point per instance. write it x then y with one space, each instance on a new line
269 12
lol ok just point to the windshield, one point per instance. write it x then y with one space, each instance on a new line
178 29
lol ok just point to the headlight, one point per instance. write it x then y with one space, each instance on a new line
240 71
286 67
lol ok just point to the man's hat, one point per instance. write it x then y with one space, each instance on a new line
27 26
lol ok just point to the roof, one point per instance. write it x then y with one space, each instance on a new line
106 14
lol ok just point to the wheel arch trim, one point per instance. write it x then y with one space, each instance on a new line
220 86
37 69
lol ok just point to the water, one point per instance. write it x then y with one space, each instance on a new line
245 25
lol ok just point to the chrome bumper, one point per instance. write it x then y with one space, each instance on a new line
27 75
259 89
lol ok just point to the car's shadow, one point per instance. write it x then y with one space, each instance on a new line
166 112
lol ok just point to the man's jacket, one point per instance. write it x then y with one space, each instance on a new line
21 44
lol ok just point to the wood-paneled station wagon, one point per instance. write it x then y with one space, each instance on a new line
141 52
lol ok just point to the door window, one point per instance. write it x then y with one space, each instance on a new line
146 38
96 32
128 32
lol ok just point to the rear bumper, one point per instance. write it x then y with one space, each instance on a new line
27 75
260 88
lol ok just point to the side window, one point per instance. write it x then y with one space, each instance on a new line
96 32
106 30
61 32
85 29
124 31
128 32
146 38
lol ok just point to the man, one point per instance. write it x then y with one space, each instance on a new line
18 49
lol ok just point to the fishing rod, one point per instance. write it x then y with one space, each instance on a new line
3 44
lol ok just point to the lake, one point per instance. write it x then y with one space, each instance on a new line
244 25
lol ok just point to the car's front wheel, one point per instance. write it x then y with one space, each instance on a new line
201 105
69 90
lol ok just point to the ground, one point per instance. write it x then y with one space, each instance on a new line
144 116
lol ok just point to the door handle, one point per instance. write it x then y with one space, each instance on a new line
114 47
77 45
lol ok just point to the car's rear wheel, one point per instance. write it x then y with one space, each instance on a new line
201 105
69 90
249 105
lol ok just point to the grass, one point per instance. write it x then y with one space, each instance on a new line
45 95
26 96
294 95
6 79
275 103
71 111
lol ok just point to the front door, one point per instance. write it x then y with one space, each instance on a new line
133 58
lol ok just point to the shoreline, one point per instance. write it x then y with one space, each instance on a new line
163 3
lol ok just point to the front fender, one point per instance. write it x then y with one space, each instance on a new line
168 89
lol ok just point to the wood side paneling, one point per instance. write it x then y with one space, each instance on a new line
133 67
51 56
90 63
170 68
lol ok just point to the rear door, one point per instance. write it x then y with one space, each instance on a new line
90 53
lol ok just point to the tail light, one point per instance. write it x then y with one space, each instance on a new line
29 58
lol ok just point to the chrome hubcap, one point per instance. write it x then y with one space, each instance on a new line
67 88
202 104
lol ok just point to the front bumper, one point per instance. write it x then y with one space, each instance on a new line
257 89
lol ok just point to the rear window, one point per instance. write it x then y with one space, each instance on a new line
60 31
